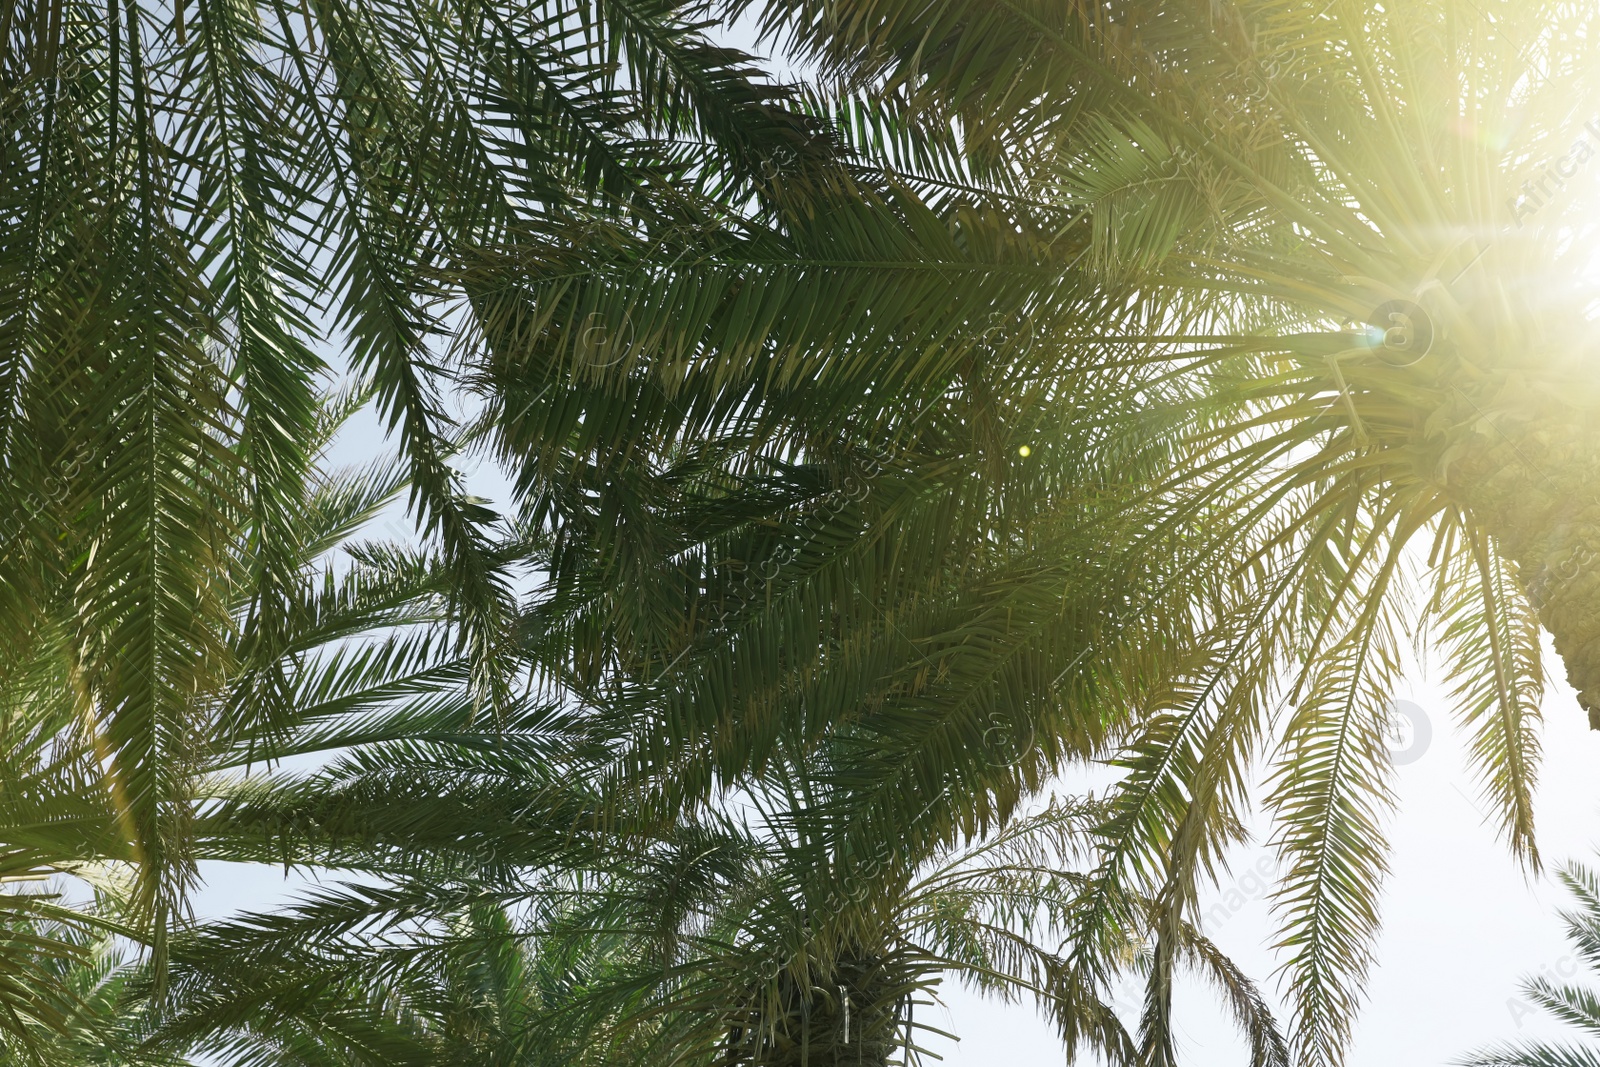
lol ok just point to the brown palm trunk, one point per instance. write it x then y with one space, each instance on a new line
849 1021
1531 477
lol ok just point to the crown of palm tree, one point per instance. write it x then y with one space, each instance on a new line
735 939
1328 256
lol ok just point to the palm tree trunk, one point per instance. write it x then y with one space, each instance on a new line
1533 483
852 1029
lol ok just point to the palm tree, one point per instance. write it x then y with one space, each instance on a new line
1319 259
101 1008
934 633
197 203
723 942
932 627
1361 233
1118 230
363 625
1572 1004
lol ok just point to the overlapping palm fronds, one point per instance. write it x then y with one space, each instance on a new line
101 1007
742 938
353 633
1046 383
196 201
1361 335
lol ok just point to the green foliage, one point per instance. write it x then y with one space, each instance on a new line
1574 1005
1263 177
998 403
101 1004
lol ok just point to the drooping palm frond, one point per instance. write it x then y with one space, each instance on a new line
195 204
350 638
